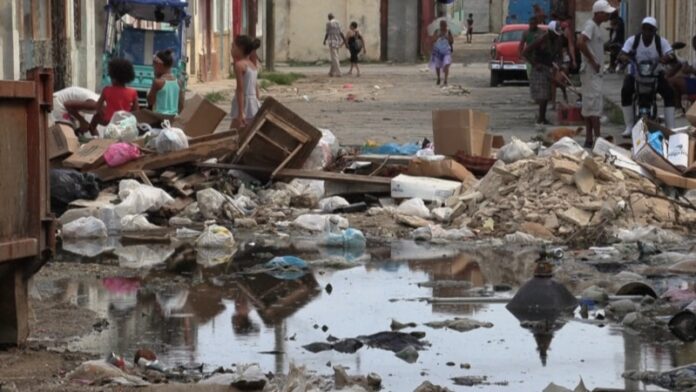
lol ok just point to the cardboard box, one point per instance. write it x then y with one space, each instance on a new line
644 154
199 117
444 168
62 141
691 114
90 155
426 188
461 130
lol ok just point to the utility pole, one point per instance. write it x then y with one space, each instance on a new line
270 35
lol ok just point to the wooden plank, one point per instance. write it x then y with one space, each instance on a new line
197 152
285 162
306 174
273 142
14 307
17 89
18 249
391 159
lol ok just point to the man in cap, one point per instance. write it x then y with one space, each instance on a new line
591 46
542 54
646 46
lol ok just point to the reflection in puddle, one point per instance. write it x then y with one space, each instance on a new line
219 319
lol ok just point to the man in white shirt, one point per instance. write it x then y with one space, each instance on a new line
646 46
335 38
72 104
591 45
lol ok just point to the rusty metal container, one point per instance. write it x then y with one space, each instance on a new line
27 229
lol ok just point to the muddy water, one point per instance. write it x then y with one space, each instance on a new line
218 319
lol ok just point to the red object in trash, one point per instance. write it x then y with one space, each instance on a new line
121 153
477 165
569 115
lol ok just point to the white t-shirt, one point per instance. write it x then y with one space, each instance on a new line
595 44
644 53
70 94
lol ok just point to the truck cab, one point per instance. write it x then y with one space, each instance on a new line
137 29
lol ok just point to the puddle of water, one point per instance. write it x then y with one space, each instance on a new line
224 320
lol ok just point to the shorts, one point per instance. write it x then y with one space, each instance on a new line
690 86
592 97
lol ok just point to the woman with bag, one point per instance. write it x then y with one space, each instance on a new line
356 44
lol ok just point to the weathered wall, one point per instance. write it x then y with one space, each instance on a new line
497 15
482 14
403 30
301 24
9 41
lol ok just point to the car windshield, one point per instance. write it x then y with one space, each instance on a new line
510 36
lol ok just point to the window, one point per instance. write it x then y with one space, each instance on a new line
511 36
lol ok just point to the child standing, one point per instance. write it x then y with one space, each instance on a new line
470 28
165 95
356 44
117 96
245 103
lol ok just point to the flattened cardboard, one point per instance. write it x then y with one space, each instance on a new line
643 153
691 115
460 130
62 141
199 117
445 168
671 179
90 155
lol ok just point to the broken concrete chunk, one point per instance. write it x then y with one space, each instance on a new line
576 216
564 166
584 180
443 214
412 221
537 230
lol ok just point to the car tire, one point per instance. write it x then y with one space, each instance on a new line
496 78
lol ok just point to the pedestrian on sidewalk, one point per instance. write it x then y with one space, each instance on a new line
470 29
166 96
591 46
528 37
543 53
72 104
356 44
116 97
335 39
441 58
245 103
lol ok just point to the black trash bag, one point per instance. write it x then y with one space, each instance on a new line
70 185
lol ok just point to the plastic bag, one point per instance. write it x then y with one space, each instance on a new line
123 126
210 203
324 153
138 198
564 146
393 149
168 139
137 223
442 214
70 185
89 227
331 203
313 188
215 236
121 153
414 207
287 267
649 234
514 151
313 222
348 238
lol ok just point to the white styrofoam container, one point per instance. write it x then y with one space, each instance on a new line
426 188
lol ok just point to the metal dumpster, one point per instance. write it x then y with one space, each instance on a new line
27 229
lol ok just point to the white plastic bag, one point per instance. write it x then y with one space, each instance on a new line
324 153
514 151
442 214
414 207
649 234
89 227
331 203
215 236
564 146
168 139
210 203
313 222
138 198
123 126
313 188
137 223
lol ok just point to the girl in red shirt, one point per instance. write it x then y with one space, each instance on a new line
117 96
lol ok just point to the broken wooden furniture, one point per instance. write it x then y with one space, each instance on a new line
277 138
27 230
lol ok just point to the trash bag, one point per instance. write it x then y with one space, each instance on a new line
414 207
514 151
137 223
123 126
348 238
312 188
564 146
331 203
138 198
649 234
70 185
210 203
393 149
215 236
324 153
168 139
89 227
314 222
121 153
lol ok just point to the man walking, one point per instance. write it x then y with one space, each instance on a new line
592 48
334 37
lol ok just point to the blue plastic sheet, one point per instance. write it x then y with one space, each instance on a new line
393 149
